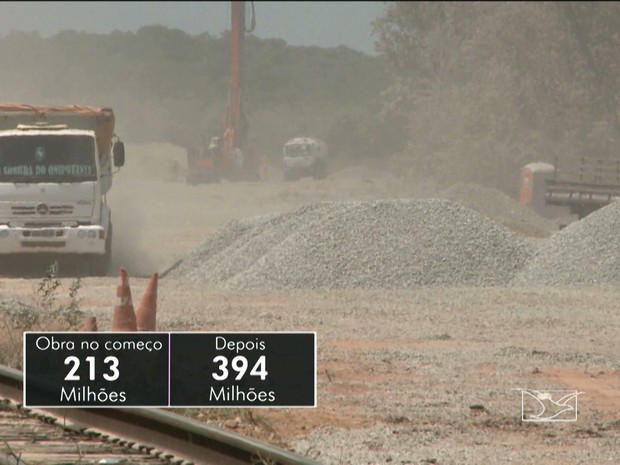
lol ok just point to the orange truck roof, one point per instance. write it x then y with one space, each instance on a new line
45 109
98 119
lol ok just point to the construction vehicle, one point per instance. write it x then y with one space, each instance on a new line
304 156
580 187
226 155
588 183
55 171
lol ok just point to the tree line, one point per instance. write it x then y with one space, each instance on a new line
489 87
459 91
169 86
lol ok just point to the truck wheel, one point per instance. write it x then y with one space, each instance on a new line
100 264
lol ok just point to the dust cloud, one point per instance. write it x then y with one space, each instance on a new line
159 218
128 244
139 209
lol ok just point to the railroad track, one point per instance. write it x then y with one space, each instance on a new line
119 436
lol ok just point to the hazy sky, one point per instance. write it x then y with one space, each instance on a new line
324 24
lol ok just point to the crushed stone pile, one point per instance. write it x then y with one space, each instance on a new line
586 252
402 243
501 208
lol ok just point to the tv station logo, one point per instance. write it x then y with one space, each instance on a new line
551 405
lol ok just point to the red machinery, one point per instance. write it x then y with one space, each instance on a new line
226 156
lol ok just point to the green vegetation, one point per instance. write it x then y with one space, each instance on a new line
489 87
70 312
168 86
46 315
461 91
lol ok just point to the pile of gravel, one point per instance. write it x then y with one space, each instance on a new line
355 244
586 252
501 208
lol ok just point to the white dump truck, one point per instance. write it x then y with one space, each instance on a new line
55 171
304 156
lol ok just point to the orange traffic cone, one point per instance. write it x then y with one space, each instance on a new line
124 318
90 324
147 310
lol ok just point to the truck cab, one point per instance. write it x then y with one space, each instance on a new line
304 156
53 181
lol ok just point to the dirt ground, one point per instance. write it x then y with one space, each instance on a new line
418 376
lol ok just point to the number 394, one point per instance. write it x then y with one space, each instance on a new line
240 365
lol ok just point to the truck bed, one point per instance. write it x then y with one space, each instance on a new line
585 186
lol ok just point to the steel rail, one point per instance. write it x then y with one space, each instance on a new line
177 436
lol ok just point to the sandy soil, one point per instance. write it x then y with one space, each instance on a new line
424 376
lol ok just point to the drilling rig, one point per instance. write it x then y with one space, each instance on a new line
227 155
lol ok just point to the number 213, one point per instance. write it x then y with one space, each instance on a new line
111 376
